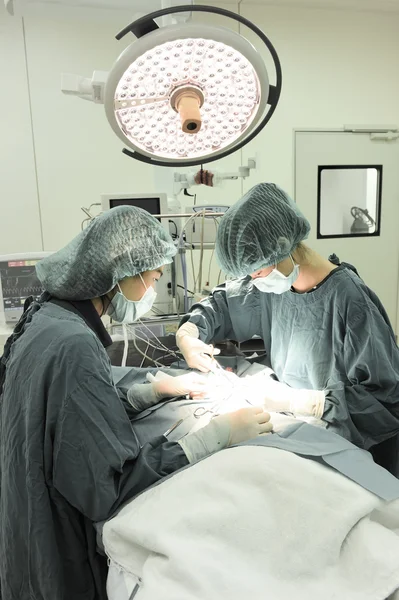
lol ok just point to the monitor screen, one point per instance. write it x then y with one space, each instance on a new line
18 282
151 205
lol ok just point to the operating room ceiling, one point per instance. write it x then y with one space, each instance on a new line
146 6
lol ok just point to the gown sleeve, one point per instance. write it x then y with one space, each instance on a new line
98 462
365 407
229 312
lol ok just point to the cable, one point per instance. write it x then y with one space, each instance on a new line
193 270
165 351
184 227
142 362
213 250
220 273
135 335
126 345
144 354
32 130
144 357
154 336
184 272
195 276
87 212
161 345
173 287
176 234
150 345
189 291
183 258
201 254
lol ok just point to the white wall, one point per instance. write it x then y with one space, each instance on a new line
78 156
338 66
19 210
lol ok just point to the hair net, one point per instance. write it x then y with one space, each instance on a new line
260 230
121 242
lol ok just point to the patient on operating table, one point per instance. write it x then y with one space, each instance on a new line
224 392
231 393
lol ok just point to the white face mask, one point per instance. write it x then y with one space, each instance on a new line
276 282
123 310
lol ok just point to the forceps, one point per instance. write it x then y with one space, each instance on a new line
201 411
220 369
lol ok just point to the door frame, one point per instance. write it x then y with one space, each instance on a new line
345 129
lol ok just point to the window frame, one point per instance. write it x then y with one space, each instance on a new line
377 232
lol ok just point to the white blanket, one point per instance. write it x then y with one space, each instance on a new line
255 522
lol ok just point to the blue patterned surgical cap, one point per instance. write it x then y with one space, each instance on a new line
260 230
121 242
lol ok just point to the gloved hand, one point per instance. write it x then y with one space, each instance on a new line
165 386
247 424
226 430
196 353
280 397
143 396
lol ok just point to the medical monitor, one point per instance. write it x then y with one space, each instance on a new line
155 204
18 281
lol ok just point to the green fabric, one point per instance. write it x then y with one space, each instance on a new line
121 242
324 446
336 338
69 456
260 230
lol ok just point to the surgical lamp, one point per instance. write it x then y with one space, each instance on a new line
186 94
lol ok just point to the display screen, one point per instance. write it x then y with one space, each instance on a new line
151 205
18 282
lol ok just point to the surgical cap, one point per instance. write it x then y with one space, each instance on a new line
260 230
121 242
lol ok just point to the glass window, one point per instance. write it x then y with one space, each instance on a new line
349 201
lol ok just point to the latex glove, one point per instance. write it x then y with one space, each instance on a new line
226 430
280 397
166 386
197 354
144 395
247 424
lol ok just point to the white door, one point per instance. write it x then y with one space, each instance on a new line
347 185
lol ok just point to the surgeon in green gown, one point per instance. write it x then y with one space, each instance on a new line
69 455
327 336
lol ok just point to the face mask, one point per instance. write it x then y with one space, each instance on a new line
123 310
276 282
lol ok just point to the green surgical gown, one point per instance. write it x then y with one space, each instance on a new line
335 338
69 457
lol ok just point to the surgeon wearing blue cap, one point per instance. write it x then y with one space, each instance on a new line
326 334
